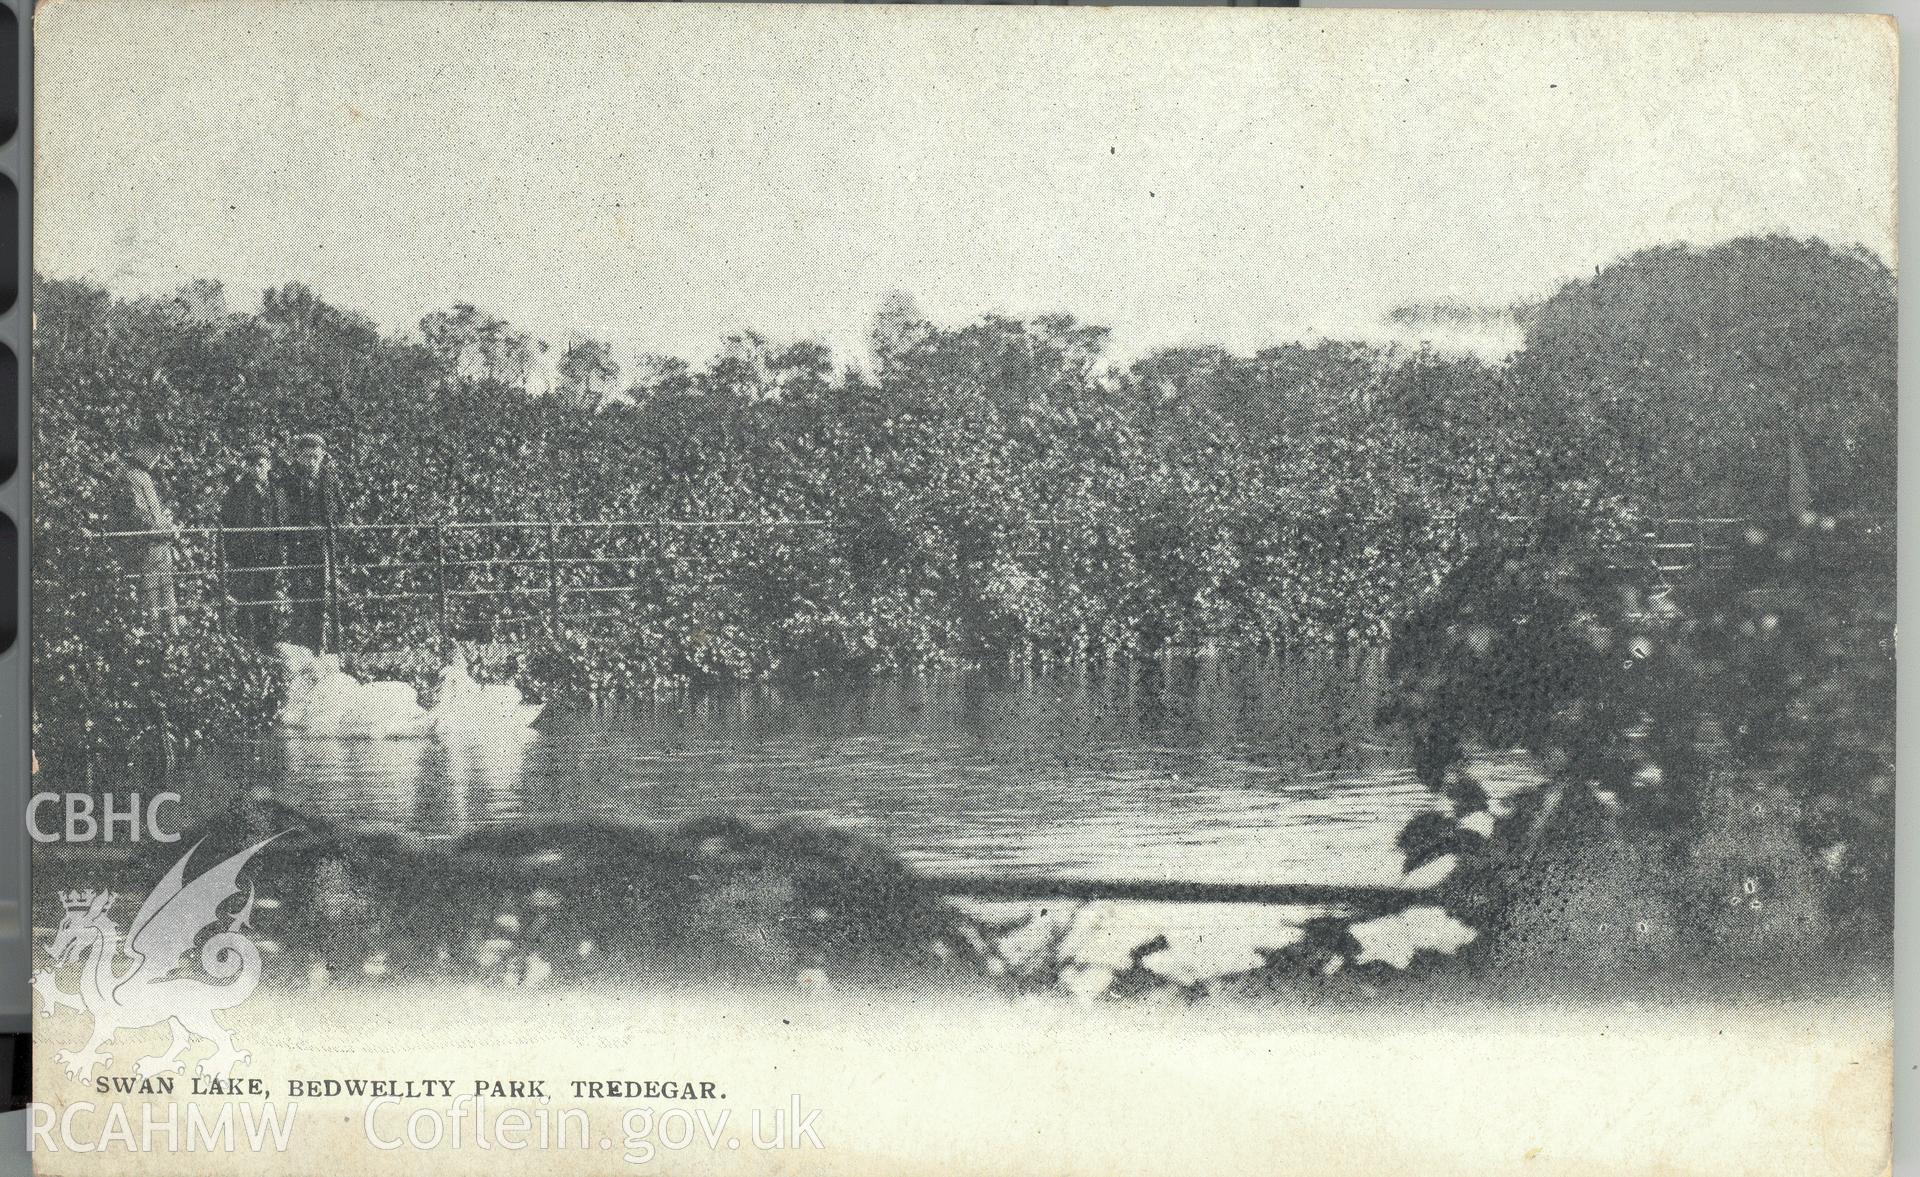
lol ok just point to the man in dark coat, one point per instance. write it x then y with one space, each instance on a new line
312 493
253 511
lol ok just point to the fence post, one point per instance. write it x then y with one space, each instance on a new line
223 598
1699 544
440 584
553 578
329 558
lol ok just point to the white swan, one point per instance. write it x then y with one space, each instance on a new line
323 699
464 703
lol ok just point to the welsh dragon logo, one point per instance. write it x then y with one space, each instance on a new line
140 987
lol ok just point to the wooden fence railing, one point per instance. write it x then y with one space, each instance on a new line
544 572
536 577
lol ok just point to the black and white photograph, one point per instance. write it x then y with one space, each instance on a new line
979 590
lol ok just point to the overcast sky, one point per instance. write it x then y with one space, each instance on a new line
662 177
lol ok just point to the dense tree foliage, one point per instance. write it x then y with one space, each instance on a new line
1705 376
990 489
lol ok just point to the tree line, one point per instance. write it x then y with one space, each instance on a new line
1195 495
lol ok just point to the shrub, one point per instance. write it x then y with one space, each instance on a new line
1719 762
113 696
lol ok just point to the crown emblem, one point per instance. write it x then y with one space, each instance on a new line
81 900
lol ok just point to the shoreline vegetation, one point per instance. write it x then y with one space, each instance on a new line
1717 752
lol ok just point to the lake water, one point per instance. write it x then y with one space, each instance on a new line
1230 769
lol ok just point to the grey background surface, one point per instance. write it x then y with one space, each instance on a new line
15 770
15 778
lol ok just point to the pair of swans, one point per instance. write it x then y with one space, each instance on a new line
323 699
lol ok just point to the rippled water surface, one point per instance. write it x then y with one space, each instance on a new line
1199 768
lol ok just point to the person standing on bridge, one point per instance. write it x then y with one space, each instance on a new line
147 558
251 515
313 510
